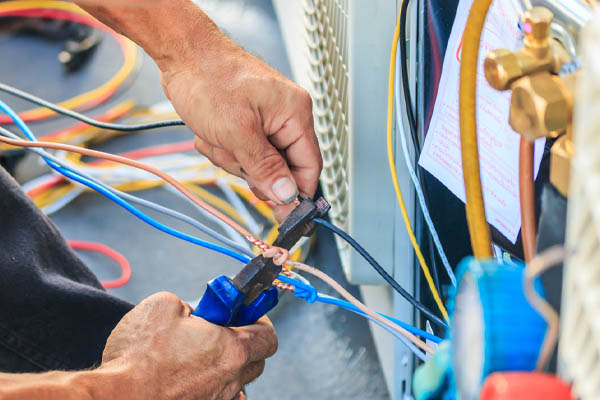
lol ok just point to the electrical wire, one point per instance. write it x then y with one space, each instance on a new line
110 253
413 176
380 270
547 259
282 253
478 228
146 203
310 294
104 191
71 12
362 307
392 165
321 298
83 118
527 198
73 175
349 306
412 122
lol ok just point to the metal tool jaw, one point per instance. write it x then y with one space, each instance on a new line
250 294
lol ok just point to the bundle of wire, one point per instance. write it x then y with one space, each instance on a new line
70 12
394 174
118 197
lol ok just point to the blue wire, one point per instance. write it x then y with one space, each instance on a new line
76 177
72 174
310 294
349 306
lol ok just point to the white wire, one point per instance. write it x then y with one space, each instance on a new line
413 176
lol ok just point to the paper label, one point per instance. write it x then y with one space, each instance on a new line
498 143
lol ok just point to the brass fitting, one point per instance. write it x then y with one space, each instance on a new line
503 67
541 106
560 163
542 102
536 25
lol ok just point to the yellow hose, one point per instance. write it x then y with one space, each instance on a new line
392 165
478 227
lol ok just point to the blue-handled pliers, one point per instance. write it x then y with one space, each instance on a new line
250 294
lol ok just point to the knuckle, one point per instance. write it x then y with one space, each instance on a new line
166 302
273 342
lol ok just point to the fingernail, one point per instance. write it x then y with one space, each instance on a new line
285 190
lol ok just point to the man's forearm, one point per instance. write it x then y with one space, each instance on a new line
102 383
168 30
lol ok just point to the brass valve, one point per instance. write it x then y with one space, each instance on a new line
540 106
503 67
542 102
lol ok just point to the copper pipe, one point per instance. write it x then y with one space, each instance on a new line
527 197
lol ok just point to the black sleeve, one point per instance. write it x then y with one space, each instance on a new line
54 314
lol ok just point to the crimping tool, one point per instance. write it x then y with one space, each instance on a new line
251 294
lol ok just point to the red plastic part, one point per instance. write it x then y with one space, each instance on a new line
524 386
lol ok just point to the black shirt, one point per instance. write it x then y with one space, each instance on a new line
54 314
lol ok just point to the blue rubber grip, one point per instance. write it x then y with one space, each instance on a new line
223 304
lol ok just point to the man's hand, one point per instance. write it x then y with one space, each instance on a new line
170 354
248 118
159 351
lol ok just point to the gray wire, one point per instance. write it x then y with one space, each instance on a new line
133 199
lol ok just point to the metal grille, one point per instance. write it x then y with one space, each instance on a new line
326 25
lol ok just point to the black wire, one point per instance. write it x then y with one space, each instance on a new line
90 121
412 123
388 278
404 76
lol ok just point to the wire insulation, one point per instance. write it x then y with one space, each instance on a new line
380 270
83 118
169 179
345 294
392 165
415 180
107 192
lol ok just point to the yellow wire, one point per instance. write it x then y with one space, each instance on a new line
479 230
392 165
130 51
